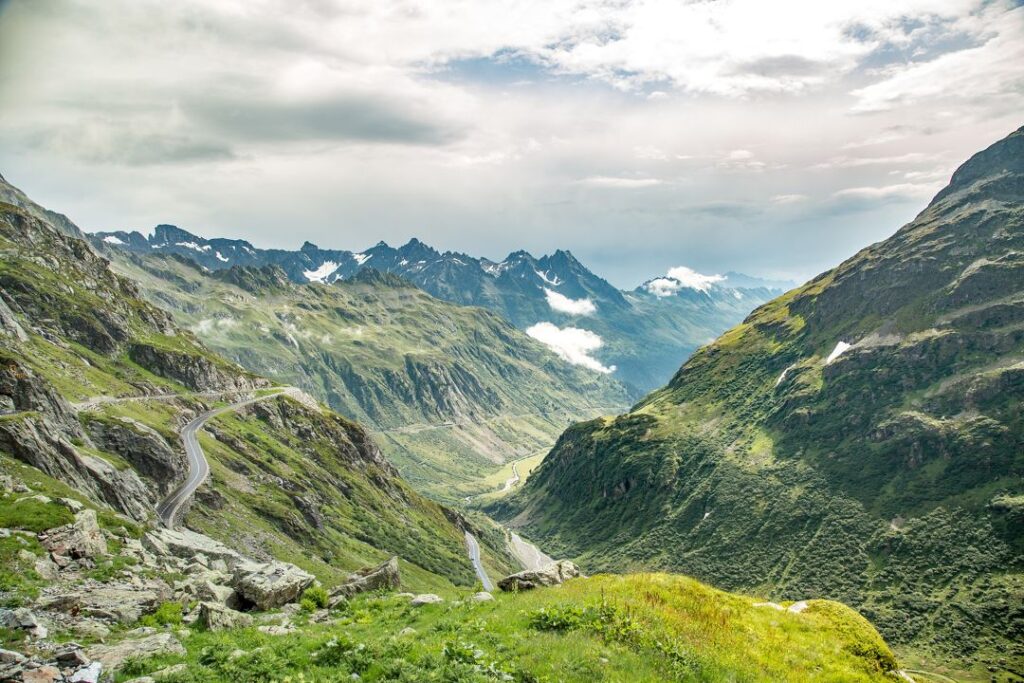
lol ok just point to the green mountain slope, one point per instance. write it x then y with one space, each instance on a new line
80 352
451 392
860 438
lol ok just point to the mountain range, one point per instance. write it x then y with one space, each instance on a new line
450 392
859 438
294 548
639 336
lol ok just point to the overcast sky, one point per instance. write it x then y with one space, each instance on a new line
774 138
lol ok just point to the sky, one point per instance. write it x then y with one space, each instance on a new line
771 138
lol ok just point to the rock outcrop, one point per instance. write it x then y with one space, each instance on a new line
382 577
81 538
552 574
272 585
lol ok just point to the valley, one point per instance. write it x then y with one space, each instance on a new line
191 414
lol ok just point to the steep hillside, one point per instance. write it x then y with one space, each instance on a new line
95 384
452 392
859 438
640 337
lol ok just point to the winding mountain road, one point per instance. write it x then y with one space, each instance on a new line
478 567
198 467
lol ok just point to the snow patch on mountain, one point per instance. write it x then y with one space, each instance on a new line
362 258
554 282
679 277
841 348
572 344
220 257
113 239
564 304
193 245
321 273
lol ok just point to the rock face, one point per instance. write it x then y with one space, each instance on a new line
44 433
549 575
273 584
217 617
381 577
22 619
113 656
81 538
142 446
121 602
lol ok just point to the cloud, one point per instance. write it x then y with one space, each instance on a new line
572 344
856 162
564 304
619 183
788 198
679 277
898 190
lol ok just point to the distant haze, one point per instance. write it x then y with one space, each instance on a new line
773 139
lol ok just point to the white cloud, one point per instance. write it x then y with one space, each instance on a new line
564 304
679 277
908 190
571 343
617 182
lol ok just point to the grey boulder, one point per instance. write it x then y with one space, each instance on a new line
552 574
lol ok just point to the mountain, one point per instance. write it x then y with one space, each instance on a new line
95 385
451 392
859 438
640 337
96 389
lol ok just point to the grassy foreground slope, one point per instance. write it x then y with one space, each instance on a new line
288 479
860 438
639 628
451 392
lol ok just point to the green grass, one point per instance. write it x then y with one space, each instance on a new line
22 511
635 628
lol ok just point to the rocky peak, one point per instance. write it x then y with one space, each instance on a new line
171 234
1003 157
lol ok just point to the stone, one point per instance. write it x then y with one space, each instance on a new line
277 629
71 504
71 656
81 538
273 584
23 619
113 656
90 628
382 577
407 631
11 657
122 602
482 596
46 568
798 607
552 574
216 617
185 544
426 599
87 674
211 592
44 674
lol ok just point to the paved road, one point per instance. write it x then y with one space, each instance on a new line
478 567
198 468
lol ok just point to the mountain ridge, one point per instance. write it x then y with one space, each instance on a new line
858 437
644 334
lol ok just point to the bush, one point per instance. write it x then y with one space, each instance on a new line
167 614
317 595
